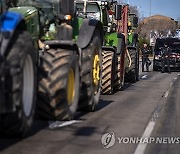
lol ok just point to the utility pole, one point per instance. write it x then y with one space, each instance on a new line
150 7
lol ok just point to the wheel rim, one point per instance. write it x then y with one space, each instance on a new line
71 87
28 85
96 72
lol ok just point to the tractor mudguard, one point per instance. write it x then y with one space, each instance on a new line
87 30
63 44
9 22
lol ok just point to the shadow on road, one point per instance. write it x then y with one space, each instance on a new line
6 142
85 131
39 125
102 104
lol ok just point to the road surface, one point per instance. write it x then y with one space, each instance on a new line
149 108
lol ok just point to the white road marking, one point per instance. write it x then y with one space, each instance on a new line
166 94
58 124
178 74
147 133
144 76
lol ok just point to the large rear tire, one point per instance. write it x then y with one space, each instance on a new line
133 71
58 93
91 73
119 80
20 85
108 69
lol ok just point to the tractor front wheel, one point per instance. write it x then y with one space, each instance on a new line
91 73
108 76
20 85
58 93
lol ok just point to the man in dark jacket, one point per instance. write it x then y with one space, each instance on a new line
165 58
145 59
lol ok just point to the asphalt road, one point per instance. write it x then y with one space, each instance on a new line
148 108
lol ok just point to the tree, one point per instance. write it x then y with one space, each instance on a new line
156 23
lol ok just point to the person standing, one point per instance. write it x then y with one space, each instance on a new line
145 59
165 58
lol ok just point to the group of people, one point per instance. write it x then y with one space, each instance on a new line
165 58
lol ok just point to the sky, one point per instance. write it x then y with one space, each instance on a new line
170 8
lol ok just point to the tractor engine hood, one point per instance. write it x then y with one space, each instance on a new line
25 11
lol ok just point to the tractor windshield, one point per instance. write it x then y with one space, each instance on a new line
46 5
46 8
80 7
92 10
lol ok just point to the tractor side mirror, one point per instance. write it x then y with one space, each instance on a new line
118 9
135 21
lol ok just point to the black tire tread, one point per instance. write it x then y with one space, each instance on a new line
131 74
88 99
107 62
117 83
15 124
52 84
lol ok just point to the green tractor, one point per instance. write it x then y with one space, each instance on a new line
120 51
49 53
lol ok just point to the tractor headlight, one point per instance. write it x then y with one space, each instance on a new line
102 3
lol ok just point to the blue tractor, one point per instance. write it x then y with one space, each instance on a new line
48 36
17 74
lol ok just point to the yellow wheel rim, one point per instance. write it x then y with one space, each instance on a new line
71 87
96 70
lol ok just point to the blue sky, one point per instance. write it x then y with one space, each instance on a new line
170 8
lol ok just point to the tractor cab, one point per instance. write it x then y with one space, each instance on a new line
90 9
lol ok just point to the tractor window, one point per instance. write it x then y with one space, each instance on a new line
92 8
93 11
45 5
79 7
45 8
